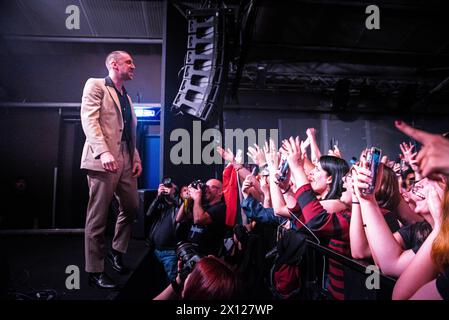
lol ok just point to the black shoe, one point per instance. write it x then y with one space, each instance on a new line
101 280
116 262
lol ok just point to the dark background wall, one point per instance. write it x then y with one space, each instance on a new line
56 71
36 140
353 132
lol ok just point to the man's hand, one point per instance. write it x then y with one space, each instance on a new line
137 169
162 190
108 162
195 194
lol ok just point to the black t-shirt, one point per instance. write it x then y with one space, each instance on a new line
415 234
392 222
442 284
210 237
162 232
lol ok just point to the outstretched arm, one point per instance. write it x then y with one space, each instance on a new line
314 149
416 280
386 250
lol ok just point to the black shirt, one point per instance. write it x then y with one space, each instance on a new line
415 234
442 284
162 216
210 237
125 107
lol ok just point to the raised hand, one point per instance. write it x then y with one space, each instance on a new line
239 156
335 151
246 185
227 155
433 157
397 168
291 148
305 144
362 178
272 156
264 184
257 155
408 152
311 133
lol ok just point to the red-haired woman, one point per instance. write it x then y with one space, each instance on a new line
210 279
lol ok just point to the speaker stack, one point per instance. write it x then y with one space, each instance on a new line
206 63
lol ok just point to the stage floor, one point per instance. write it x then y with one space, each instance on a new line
37 263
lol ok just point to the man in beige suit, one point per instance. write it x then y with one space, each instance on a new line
112 163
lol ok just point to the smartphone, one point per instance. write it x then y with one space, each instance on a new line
284 169
373 157
255 171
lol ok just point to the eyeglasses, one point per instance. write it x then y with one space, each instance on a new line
417 190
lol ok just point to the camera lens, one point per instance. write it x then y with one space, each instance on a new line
187 252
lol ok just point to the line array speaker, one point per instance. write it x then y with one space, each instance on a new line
206 63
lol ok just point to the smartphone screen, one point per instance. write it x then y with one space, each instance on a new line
373 158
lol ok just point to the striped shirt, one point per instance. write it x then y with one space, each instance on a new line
331 227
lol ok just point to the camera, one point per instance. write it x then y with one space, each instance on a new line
373 157
198 183
189 255
167 182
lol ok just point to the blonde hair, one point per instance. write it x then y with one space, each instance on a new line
440 247
114 55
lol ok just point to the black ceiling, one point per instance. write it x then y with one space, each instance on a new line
302 45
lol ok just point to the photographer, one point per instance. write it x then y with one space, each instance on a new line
162 216
209 215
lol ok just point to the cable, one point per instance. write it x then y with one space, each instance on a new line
305 226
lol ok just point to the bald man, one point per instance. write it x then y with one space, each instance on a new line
112 163
209 216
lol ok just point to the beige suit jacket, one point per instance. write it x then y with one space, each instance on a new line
102 122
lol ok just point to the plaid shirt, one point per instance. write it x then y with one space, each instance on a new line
331 227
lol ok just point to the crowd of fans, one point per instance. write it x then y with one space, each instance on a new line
248 234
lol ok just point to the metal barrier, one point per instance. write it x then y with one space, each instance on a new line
362 281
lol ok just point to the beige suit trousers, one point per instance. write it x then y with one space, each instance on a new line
103 186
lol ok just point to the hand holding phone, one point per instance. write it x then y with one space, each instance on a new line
373 158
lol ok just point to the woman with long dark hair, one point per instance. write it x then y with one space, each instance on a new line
327 180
